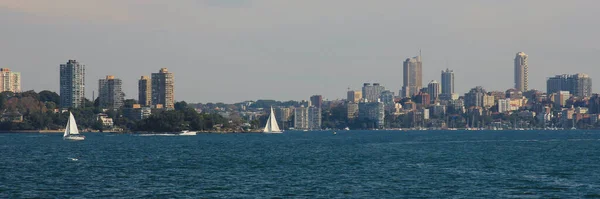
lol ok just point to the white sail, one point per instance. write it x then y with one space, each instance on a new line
71 128
271 126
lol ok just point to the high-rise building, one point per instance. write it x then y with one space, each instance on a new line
412 76
72 84
145 91
316 100
434 90
579 85
352 110
110 92
314 118
387 97
163 88
372 93
10 81
475 97
301 118
558 83
372 111
582 85
354 96
521 75
447 84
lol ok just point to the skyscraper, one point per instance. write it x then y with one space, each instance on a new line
10 81
145 91
316 100
413 76
163 86
434 90
372 93
447 84
521 81
110 92
72 84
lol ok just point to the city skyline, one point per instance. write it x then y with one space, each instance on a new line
324 52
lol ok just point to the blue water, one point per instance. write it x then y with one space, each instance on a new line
354 164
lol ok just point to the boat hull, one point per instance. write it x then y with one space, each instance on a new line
188 133
74 138
273 132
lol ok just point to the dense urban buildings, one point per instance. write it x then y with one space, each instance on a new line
372 93
316 100
579 85
145 91
163 88
10 80
447 84
354 96
110 92
72 84
433 88
373 112
412 76
521 76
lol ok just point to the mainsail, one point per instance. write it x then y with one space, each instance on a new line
271 126
71 128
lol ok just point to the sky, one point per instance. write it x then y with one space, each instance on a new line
236 50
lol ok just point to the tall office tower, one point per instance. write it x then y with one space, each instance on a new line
413 77
110 92
354 96
447 84
72 84
582 85
145 91
372 92
10 81
521 81
316 100
163 86
434 90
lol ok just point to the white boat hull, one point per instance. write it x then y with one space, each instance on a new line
273 132
74 138
188 133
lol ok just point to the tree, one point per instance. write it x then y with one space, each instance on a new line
180 106
49 96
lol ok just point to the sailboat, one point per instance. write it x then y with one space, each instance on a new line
271 126
71 131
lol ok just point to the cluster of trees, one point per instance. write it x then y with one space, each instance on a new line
39 113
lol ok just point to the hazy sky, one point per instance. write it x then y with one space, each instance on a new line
235 50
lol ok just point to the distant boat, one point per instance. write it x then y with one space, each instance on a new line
346 129
188 133
71 131
271 126
335 133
